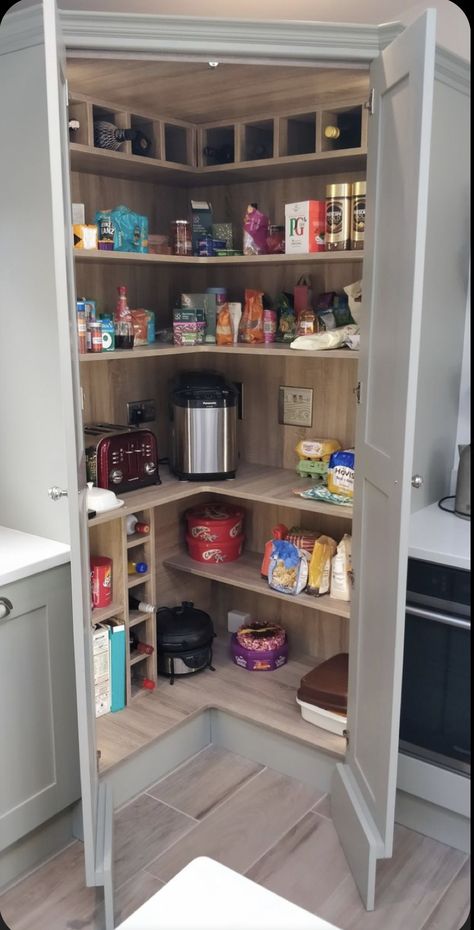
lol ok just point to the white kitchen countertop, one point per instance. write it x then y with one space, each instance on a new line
22 554
206 895
437 536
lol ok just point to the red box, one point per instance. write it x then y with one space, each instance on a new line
101 580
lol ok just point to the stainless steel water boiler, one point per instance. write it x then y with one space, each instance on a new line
203 426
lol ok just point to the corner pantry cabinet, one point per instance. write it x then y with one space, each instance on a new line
407 382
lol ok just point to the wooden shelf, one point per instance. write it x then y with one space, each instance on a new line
136 540
245 573
136 657
137 616
259 483
141 168
267 699
274 350
135 580
99 614
149 258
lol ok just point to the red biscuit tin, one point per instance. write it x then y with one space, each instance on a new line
215 522
208 552
101 580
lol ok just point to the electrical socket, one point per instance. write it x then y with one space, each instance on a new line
295 406
140 411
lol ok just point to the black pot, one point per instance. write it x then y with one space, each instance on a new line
184 640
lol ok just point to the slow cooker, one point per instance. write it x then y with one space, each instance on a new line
184 640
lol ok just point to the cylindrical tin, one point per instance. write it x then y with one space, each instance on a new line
209 552
269 325
101 580
215 522
358 214
338 217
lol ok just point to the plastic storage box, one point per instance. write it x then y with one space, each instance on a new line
322 694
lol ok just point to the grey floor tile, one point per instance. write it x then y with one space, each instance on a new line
142 830
207 780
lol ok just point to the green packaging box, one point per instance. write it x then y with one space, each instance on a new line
189 315
201 212
208 303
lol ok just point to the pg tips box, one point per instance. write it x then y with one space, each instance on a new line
305 224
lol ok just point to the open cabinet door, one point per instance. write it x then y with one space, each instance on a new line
363 790
40 358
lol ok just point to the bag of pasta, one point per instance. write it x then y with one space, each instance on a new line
319 570
288 569
251 321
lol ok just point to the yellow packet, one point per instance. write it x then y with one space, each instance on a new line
319 571
317 449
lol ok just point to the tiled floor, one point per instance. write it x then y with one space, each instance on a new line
270 827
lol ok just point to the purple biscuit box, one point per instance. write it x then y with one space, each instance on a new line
257 660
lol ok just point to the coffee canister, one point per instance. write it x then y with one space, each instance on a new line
358 214
338 217
101 580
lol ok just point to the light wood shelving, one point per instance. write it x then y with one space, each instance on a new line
297 166
245 573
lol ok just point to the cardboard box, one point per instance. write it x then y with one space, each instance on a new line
207 303
101 661
188 334
78 214
305 225
85 236
201 212
189 315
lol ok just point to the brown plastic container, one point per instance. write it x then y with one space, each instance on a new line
326 685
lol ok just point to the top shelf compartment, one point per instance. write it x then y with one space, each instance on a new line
293 144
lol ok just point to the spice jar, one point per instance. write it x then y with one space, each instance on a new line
181 240
358 214
338 217
95 327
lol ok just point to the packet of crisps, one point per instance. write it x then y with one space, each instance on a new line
341 472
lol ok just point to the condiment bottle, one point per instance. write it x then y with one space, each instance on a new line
95 327
137 568
338 217
122 310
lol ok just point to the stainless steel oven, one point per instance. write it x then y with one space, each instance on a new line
435 706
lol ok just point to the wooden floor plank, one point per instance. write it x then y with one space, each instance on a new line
454 908
408 888
133 893
306 866
209 779
239 832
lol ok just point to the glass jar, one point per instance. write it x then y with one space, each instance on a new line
276 240
181 239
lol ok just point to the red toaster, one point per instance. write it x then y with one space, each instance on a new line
121 459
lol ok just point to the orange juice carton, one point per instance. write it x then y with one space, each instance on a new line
305 224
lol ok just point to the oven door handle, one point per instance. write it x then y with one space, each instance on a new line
447 619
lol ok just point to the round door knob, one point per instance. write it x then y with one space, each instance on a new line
6 607
417 481
56 493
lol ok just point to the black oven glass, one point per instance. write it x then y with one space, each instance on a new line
435 707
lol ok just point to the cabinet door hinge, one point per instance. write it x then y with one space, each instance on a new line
357 391
346 734
370 103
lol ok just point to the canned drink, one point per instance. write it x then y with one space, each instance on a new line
338 217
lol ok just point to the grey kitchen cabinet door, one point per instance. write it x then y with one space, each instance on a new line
39 772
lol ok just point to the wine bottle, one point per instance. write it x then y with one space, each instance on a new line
137 568
137 646
134 525
145 608
346 134
108 136
220 154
